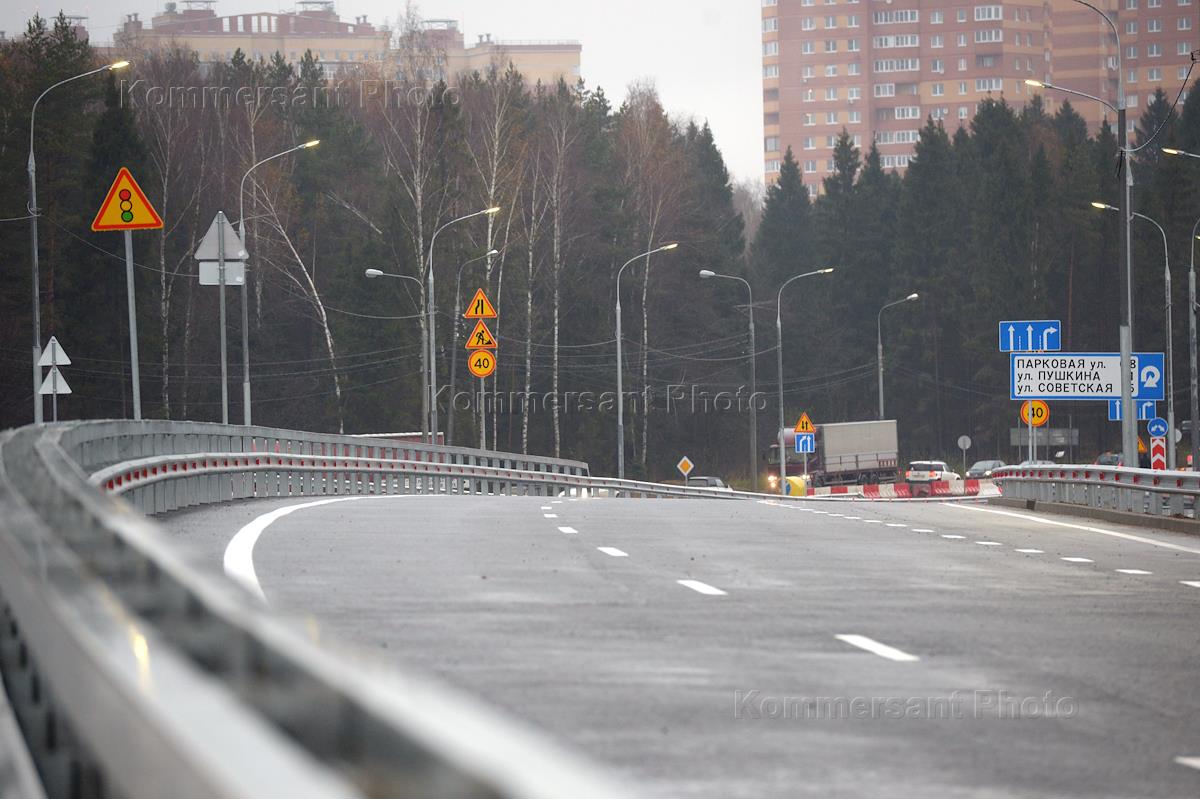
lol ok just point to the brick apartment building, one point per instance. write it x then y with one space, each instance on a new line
880 69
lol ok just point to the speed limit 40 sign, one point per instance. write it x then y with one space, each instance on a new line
1035 413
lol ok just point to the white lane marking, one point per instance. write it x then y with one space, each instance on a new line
613 551
547 507
874 647
556 502
1032 551
1085 527
238 560
550 515
1078 560
896 524
953 537
1134 571
989 543
1191 583
701 588
922 530
568 530
821 512
1190 762
855 518
872 521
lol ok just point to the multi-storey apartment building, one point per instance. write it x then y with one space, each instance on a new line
314 25
881 69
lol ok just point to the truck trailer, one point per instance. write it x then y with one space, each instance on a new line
848 453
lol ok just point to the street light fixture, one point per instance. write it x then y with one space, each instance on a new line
706 274
455 322
1128 417
31 168
431 422
879 341
246 282
779 370
1173 151
620 371
1170 376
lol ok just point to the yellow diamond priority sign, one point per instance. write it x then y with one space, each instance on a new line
685 466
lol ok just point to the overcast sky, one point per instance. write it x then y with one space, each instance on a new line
704 55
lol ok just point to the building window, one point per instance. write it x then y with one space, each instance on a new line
939 113
1131 5
961 15
773 165
989 35
962 65
770 49
884 89
939 89
1184 24
806 71
938 65
989 85
1131 51
1153 3
988 13
1131 76
812 191
809 144
831 45
1154 50
908 112
854 93
830 23
935 17
936 40
806 47
1182 48
1131 101
962 112
852 21
854 69
1154 26
808 24
770 24
810 166
810 119
962 87
768 3
1181 74
903 40
771 71
771 144
895 17
830 72
962 40
897 65
831 141
831 93
809 95
831 117
855 117
1154 74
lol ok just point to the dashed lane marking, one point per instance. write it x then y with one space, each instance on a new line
1032 551
989 543
1134 571
550 515
1190 762
547 507
1078 560
876 648
1191 583
568 530
701 588
896 524
953 537
613 551
922 530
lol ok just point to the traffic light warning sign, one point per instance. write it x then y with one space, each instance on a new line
126 207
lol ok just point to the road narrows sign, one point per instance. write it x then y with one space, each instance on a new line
685 466
481 363
481 337
480 307
125 207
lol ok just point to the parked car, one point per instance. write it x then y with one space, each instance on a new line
929 472
707 482
983 469
1109 459
1031 463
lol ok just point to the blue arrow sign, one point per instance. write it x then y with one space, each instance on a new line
1146 409
1157 428
1043 335
806 443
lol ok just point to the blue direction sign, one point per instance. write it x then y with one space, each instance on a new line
806 443
1084 375
1157 428
1146 409
1043 335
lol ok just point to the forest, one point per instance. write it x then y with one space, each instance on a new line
992 220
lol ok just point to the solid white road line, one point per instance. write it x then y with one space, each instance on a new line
701 588
613 551
550 515
1032 551
1190 762
953 537
1134 571
874 647
989 543
568 530
1191 583
239 552
1078 560
1085 527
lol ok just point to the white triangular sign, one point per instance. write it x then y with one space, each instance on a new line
54 354
54 383
209 247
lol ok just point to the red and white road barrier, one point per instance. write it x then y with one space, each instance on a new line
893 491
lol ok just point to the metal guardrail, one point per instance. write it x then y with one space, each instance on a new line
1155 493
134 673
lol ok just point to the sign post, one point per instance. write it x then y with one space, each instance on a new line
482 347
964 443
126 208
54 356
1034 413
221 244
806 440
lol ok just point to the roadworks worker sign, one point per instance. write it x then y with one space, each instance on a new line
125 207
481 338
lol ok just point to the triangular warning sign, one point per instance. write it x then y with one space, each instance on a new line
805 424
126 207
480 307
54 383
54 354
481 338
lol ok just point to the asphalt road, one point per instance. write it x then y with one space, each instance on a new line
966 667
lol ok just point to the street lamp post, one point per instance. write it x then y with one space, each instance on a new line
455 322
431 422
1192 353
31 168
246 281
620 371
779 370
706 274
879 341
1169 378
1128 416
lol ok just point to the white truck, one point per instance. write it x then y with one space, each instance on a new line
848 453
